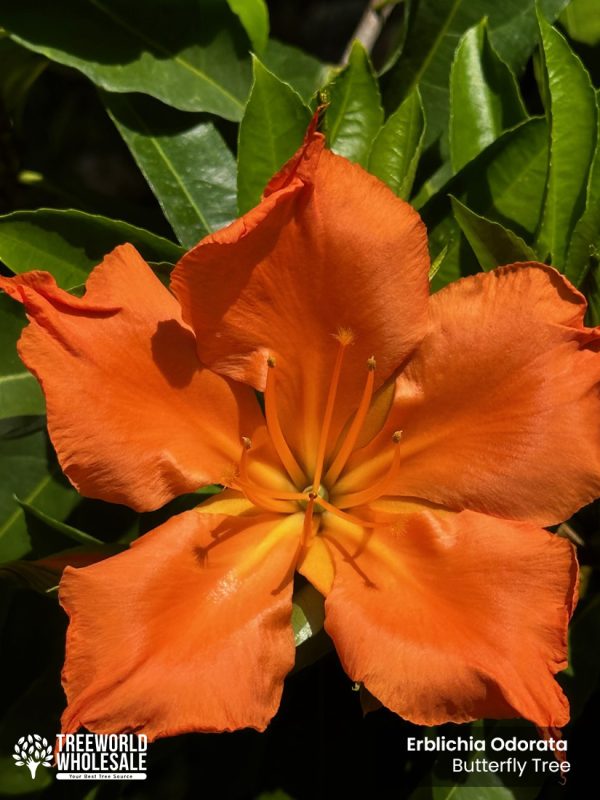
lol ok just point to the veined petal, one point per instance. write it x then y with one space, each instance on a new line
189 630
329 247
133 415
454 617
500 406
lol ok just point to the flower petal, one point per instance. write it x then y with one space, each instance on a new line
453 617
329 247
133 416
189 630
500 406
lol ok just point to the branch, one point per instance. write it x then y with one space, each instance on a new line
370 26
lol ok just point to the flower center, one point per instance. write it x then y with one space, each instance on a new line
314 497
310 494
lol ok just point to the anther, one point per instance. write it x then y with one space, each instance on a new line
371 363
247 442
271 362
396 436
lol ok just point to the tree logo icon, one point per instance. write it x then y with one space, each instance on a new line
31 751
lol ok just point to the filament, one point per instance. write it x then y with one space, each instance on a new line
380 487
344 338
281 446
347 447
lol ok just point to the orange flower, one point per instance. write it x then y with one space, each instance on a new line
410 451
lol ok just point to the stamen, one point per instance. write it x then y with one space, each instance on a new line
265 498
345 337
349 517
347 447
379 488
281 446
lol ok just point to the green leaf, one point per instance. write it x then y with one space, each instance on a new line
504 183
20 393
308 614
584 661
68 531
584 247
484 97
254 16
271 131
431 40
28 468
492 243
184 159
573 125
303 72
69 243
354 115
581 20
191 54
397 148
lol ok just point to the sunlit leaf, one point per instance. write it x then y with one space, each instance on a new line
484 97
183 157
69 243
434 30
191 55
397 147
354 114
573 125
254 16
303 72
271 131
581 20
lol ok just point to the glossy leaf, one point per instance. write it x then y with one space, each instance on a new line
484 97
431 41
67 531
28 469
504 183
573 125
581 20
20 394
69 243
303 72
354 114
492 243
308 614
191 54
584 247
397 147
254 16
271 131
183 157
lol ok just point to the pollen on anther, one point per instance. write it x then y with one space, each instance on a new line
271 362
247 442
371 364
344 336
396 436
